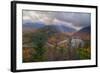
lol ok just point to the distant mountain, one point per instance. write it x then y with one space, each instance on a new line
33 25
86 29
58 28
84 33
67 29
29 25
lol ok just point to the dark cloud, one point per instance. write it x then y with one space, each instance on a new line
78 19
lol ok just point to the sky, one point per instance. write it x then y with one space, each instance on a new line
72 19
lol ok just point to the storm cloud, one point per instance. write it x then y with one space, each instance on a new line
74 19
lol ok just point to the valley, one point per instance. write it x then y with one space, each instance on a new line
54 43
